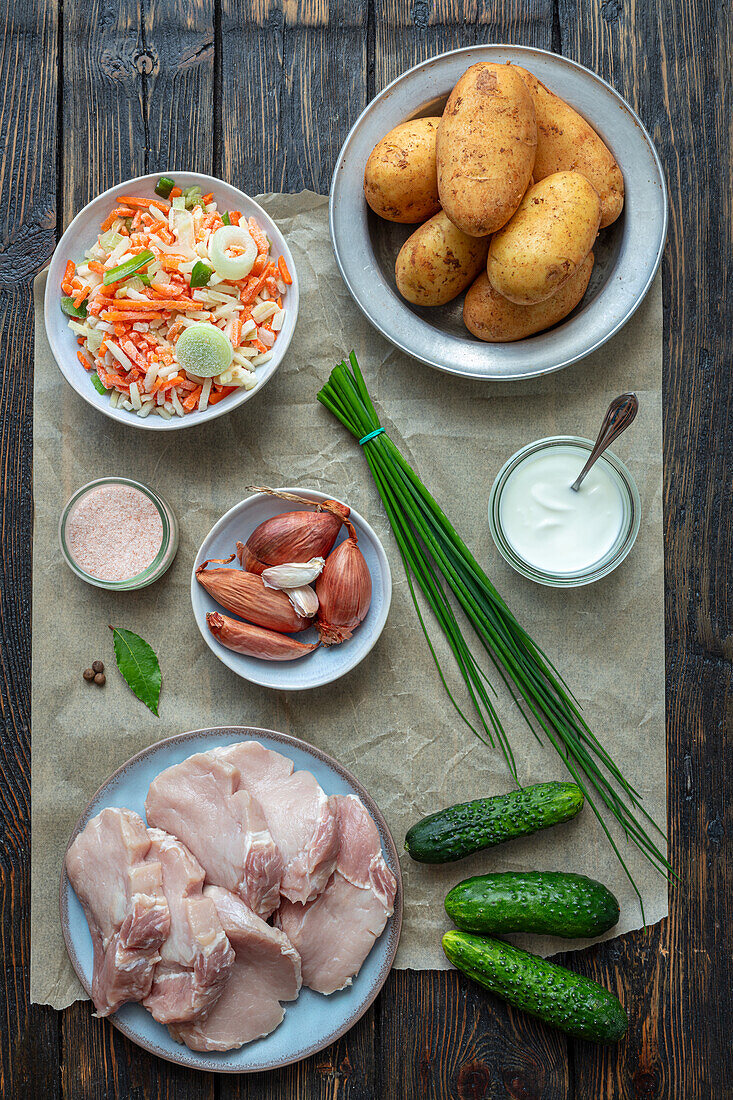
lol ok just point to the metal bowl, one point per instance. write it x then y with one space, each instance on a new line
627 253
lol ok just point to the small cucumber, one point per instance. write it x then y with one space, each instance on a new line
561 998
549 902
459 830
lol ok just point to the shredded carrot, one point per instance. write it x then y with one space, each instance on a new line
83 293
113 315
193 398
286 276
258 237
236 333
253 288
69 272
214 398
234 216
208 198
94 265
83 360
135 201
167 383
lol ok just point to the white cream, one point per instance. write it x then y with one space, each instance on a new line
547 524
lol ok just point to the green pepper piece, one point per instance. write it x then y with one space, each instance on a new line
164 186
129 267
225 218
67 305
201 274
97 383
192 196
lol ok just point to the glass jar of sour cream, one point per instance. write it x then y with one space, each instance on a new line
556 536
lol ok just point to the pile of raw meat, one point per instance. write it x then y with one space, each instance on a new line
179 911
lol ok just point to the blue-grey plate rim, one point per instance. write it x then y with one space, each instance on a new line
528 358
217 1063
275 674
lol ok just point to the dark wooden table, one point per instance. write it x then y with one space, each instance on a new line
262 93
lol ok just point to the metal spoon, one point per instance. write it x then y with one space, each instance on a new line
619 415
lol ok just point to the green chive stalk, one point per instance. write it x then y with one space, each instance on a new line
440 565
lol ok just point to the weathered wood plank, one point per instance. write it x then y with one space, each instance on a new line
310 57
28 99
98 1063
138 92
671 63
443 1036
138 96
405 34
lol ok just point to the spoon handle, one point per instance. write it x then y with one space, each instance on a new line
619 415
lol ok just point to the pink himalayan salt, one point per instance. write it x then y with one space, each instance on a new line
114 532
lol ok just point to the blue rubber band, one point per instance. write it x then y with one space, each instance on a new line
366 438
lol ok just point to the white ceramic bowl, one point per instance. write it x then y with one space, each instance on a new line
627 253
82 233
325 664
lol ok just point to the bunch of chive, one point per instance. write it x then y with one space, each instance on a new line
437 560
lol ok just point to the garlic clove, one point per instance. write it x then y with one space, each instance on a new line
304 600
293 574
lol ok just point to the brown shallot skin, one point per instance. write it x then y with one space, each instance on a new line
344 591
247 595
254 641
292 536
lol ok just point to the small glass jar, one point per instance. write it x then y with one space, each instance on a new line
628 530
163 558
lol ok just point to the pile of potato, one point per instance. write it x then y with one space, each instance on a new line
511 186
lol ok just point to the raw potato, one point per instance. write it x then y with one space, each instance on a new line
497 320
438 261
547 239
566 142
486 148
400 179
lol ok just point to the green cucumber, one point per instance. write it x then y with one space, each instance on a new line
548 902
575 1004
459 830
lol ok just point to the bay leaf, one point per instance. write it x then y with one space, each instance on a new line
138 663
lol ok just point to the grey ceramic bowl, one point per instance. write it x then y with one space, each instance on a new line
311 1022
325 664
627 253
82 233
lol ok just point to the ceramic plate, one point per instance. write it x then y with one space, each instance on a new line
325 664
82 233
311 1022
627 253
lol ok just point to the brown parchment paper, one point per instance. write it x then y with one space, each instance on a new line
389 720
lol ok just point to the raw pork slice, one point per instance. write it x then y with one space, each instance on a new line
199 802
266 971
298 814
335 932
196 958
122 896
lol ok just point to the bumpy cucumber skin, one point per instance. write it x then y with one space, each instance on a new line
470 826
575 1004
552 903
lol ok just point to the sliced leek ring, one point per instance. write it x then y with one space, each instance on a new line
226 265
